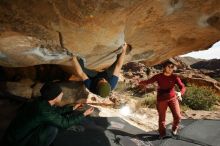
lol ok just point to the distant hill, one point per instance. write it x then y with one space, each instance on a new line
190 60
213 64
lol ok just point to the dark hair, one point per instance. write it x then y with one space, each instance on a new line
166 63
49 91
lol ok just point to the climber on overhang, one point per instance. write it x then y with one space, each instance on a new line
101 83
37 122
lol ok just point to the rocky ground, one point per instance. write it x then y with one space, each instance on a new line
144 117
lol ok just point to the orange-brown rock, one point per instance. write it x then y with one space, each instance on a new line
197 78
27 89
48 31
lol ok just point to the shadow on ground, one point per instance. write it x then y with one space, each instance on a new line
114 131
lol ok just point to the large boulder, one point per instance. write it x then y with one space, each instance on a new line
27 89
72 92
51 31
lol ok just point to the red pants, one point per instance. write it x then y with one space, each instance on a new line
162 108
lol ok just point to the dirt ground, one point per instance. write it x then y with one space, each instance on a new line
147 118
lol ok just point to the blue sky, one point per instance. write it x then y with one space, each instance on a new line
211 53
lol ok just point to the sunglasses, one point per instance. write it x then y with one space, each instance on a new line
171 66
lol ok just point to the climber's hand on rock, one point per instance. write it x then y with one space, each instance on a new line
74 57
124 47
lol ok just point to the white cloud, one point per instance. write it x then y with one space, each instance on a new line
211 53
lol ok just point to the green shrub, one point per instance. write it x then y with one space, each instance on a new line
200 98
121 87
218 79
149 101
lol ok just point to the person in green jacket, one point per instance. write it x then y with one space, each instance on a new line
37 122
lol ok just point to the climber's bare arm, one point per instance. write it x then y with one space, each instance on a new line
78 69
120 61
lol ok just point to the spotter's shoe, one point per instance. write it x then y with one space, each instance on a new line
174 132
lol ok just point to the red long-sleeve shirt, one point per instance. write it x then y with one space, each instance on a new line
166 85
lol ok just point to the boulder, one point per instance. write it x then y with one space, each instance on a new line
52 31
72 92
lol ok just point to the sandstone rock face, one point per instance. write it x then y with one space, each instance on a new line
72 92
51 31
197 78
26 89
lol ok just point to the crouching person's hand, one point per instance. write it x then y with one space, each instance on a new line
78 105
88 111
